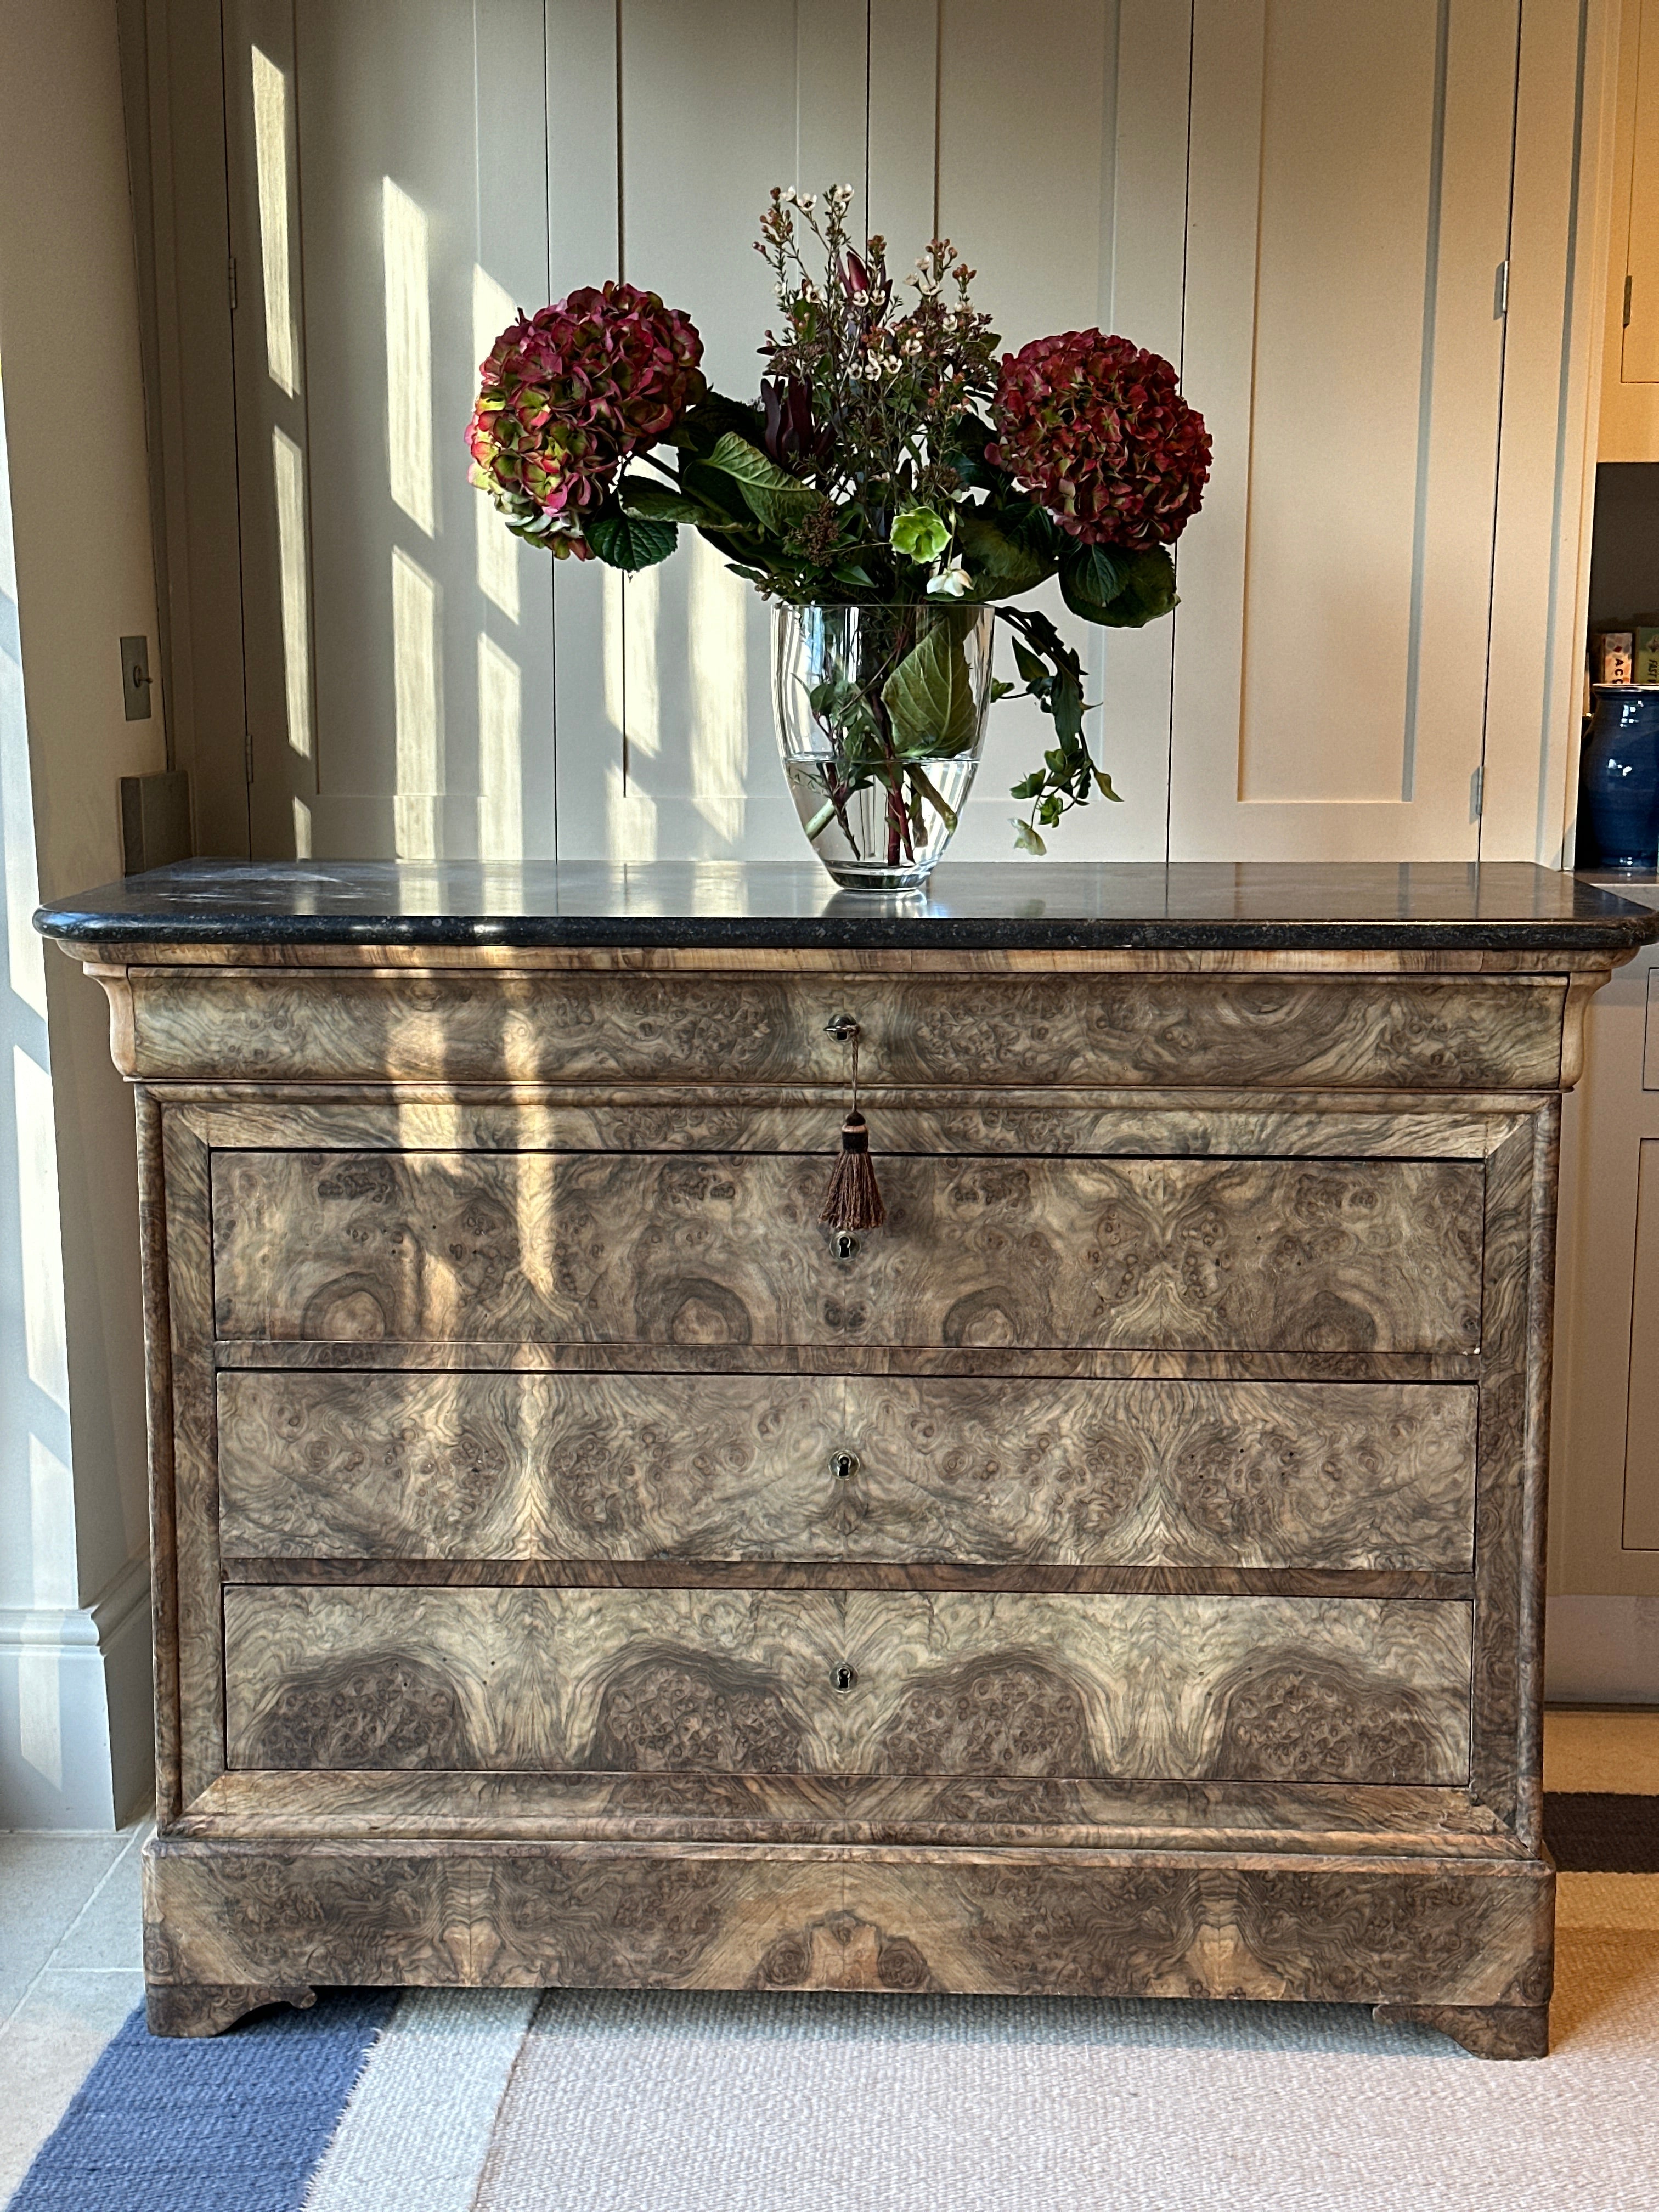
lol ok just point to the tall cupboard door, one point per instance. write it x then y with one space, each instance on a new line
1630 356
1347 226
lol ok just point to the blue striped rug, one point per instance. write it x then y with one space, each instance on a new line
232 2123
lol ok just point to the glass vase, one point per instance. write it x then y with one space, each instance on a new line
881 717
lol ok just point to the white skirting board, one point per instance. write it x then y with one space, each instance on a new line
76 1708
1601 1650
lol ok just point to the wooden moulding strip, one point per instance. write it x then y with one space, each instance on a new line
445 1355
1336 1819
879 1574
819 961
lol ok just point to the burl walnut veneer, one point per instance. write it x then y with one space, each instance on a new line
1119 1575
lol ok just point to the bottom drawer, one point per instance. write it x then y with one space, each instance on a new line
884 1682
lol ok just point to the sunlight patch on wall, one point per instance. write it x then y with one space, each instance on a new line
40 1712
26 961
498 549
26 952
51 1529
633 701
500 754
718 624
47 1350
407 353
301 831
288 467
631 818
272 162
415 685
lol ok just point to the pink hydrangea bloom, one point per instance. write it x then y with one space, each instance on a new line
1094 428
567 394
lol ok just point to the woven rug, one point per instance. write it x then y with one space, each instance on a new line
521 2101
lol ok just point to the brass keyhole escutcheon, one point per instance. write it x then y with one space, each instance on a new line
843 1677
844 1465
844 1244
841 1027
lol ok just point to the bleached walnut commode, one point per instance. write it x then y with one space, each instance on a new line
1119 1574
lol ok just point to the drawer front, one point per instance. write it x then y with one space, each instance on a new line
723 1250
824 1467
1410 1032
632 1681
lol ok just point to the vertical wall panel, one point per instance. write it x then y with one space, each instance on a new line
584 211
1348 215
1029 110
279 709
717 103
1547 482
416 225
194 419
1148 286
902 182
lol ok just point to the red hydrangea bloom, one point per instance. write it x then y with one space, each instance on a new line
1094 430
567 394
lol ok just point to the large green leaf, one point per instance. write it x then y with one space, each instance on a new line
776 499
654 502
1152 581
1119 590
930 694
700 428
1001 567
1091 579
623 542
1035 529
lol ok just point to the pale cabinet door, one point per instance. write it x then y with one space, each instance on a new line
1630 357
1347 219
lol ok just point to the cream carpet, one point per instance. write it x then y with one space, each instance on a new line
686 2104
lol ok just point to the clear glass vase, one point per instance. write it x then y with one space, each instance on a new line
881 717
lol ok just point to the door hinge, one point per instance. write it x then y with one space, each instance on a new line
1477 786
231 276
247 756
1500 296
1629 281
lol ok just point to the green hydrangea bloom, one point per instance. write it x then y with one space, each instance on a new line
918 533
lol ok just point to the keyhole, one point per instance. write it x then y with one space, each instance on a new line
844 1465
843 1676
844 1244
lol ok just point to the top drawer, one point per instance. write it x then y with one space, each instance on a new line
723 1248
1404 1032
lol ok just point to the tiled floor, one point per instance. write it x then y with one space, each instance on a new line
70 1955
71 1972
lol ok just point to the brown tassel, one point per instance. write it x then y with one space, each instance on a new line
854 1198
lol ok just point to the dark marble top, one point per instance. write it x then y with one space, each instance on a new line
1051 906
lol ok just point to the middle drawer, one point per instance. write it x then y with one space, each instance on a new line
599 1466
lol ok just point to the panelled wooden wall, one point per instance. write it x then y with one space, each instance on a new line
1316 208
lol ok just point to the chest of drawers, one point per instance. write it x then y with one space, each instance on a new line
1120 1574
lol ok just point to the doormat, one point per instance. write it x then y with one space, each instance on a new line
1600 1832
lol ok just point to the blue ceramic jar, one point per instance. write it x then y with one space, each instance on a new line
1621 774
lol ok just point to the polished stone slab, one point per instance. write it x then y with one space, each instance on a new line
994 906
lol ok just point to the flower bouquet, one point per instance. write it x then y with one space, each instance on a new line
897 483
